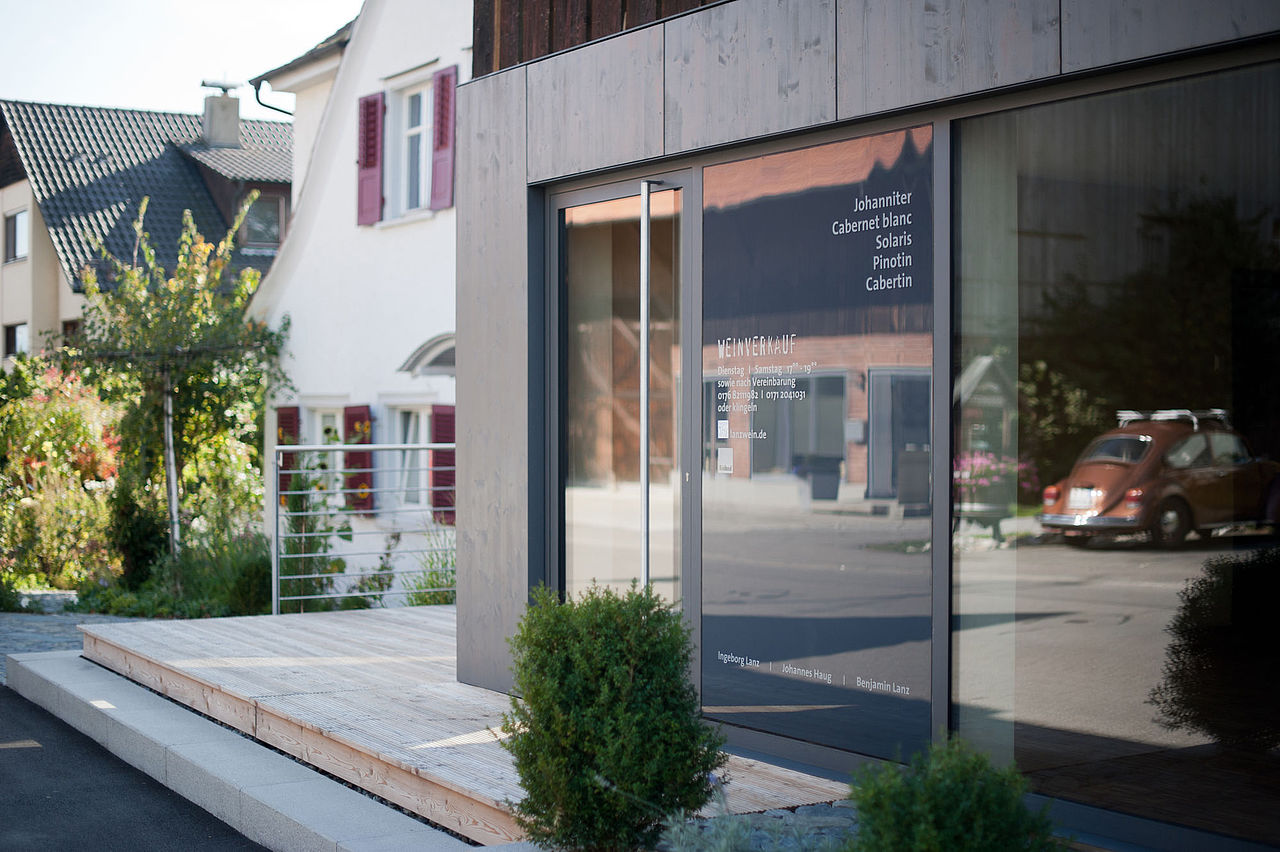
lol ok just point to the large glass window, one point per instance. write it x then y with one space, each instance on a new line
1117 417
817 346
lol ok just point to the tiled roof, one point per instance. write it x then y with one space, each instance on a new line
272 163
90 168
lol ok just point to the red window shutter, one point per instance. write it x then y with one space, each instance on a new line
369 159
288 426
441 471
443 85
357 428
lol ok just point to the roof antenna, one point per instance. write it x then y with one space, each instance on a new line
224 86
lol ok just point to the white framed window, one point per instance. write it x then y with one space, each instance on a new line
325 427
405 142
17 236
416 148
412 474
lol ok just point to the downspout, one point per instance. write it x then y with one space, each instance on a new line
257 96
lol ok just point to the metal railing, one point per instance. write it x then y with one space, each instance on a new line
328 513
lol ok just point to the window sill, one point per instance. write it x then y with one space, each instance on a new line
9 260
409 218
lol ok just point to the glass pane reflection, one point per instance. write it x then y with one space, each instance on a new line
1117 261
817 346
600 263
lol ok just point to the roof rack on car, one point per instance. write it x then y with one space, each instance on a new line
1127 416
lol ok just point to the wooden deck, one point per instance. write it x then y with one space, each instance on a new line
372 697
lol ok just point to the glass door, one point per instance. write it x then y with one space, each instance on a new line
619 266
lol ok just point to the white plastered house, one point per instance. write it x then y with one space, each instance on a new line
366 274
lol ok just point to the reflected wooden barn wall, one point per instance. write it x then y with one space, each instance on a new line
508 32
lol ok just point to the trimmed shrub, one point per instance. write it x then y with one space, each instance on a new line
949 799
607 739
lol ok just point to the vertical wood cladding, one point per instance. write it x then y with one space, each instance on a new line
536 28
508 32
483 14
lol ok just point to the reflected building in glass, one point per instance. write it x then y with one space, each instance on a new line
817 353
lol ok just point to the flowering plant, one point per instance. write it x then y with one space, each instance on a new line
977 472
61 428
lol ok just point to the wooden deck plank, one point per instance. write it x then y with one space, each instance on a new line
372 697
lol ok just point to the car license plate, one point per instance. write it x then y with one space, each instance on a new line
1080 498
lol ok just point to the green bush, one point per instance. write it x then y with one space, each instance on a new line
607 738
250 592
59 534
10 600
436 584
140 534
949 798
59 452
216 579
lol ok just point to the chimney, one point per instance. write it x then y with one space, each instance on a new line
221 127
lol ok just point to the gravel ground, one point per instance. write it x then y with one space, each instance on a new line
24 633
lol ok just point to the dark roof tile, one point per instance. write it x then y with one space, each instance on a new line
90 168
270 163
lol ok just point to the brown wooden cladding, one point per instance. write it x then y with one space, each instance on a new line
508 32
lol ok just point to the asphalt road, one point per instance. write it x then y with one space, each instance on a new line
61 790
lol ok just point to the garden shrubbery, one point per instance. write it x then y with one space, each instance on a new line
84 502
59 448
948 799
606 733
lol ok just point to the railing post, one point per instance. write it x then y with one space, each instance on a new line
275 537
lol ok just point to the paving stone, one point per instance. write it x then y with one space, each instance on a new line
24 633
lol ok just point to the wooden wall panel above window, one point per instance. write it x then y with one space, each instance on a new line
506 34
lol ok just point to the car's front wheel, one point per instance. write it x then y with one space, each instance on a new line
1173 522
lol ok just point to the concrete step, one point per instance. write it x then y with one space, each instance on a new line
266 796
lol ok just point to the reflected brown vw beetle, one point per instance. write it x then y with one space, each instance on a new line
1165 472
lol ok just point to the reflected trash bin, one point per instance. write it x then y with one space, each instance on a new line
823 473
913 474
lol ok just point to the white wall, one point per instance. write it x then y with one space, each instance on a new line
361 299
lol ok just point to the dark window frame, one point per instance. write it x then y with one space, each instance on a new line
15 223
12 345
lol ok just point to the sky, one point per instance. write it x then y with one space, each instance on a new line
153 54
